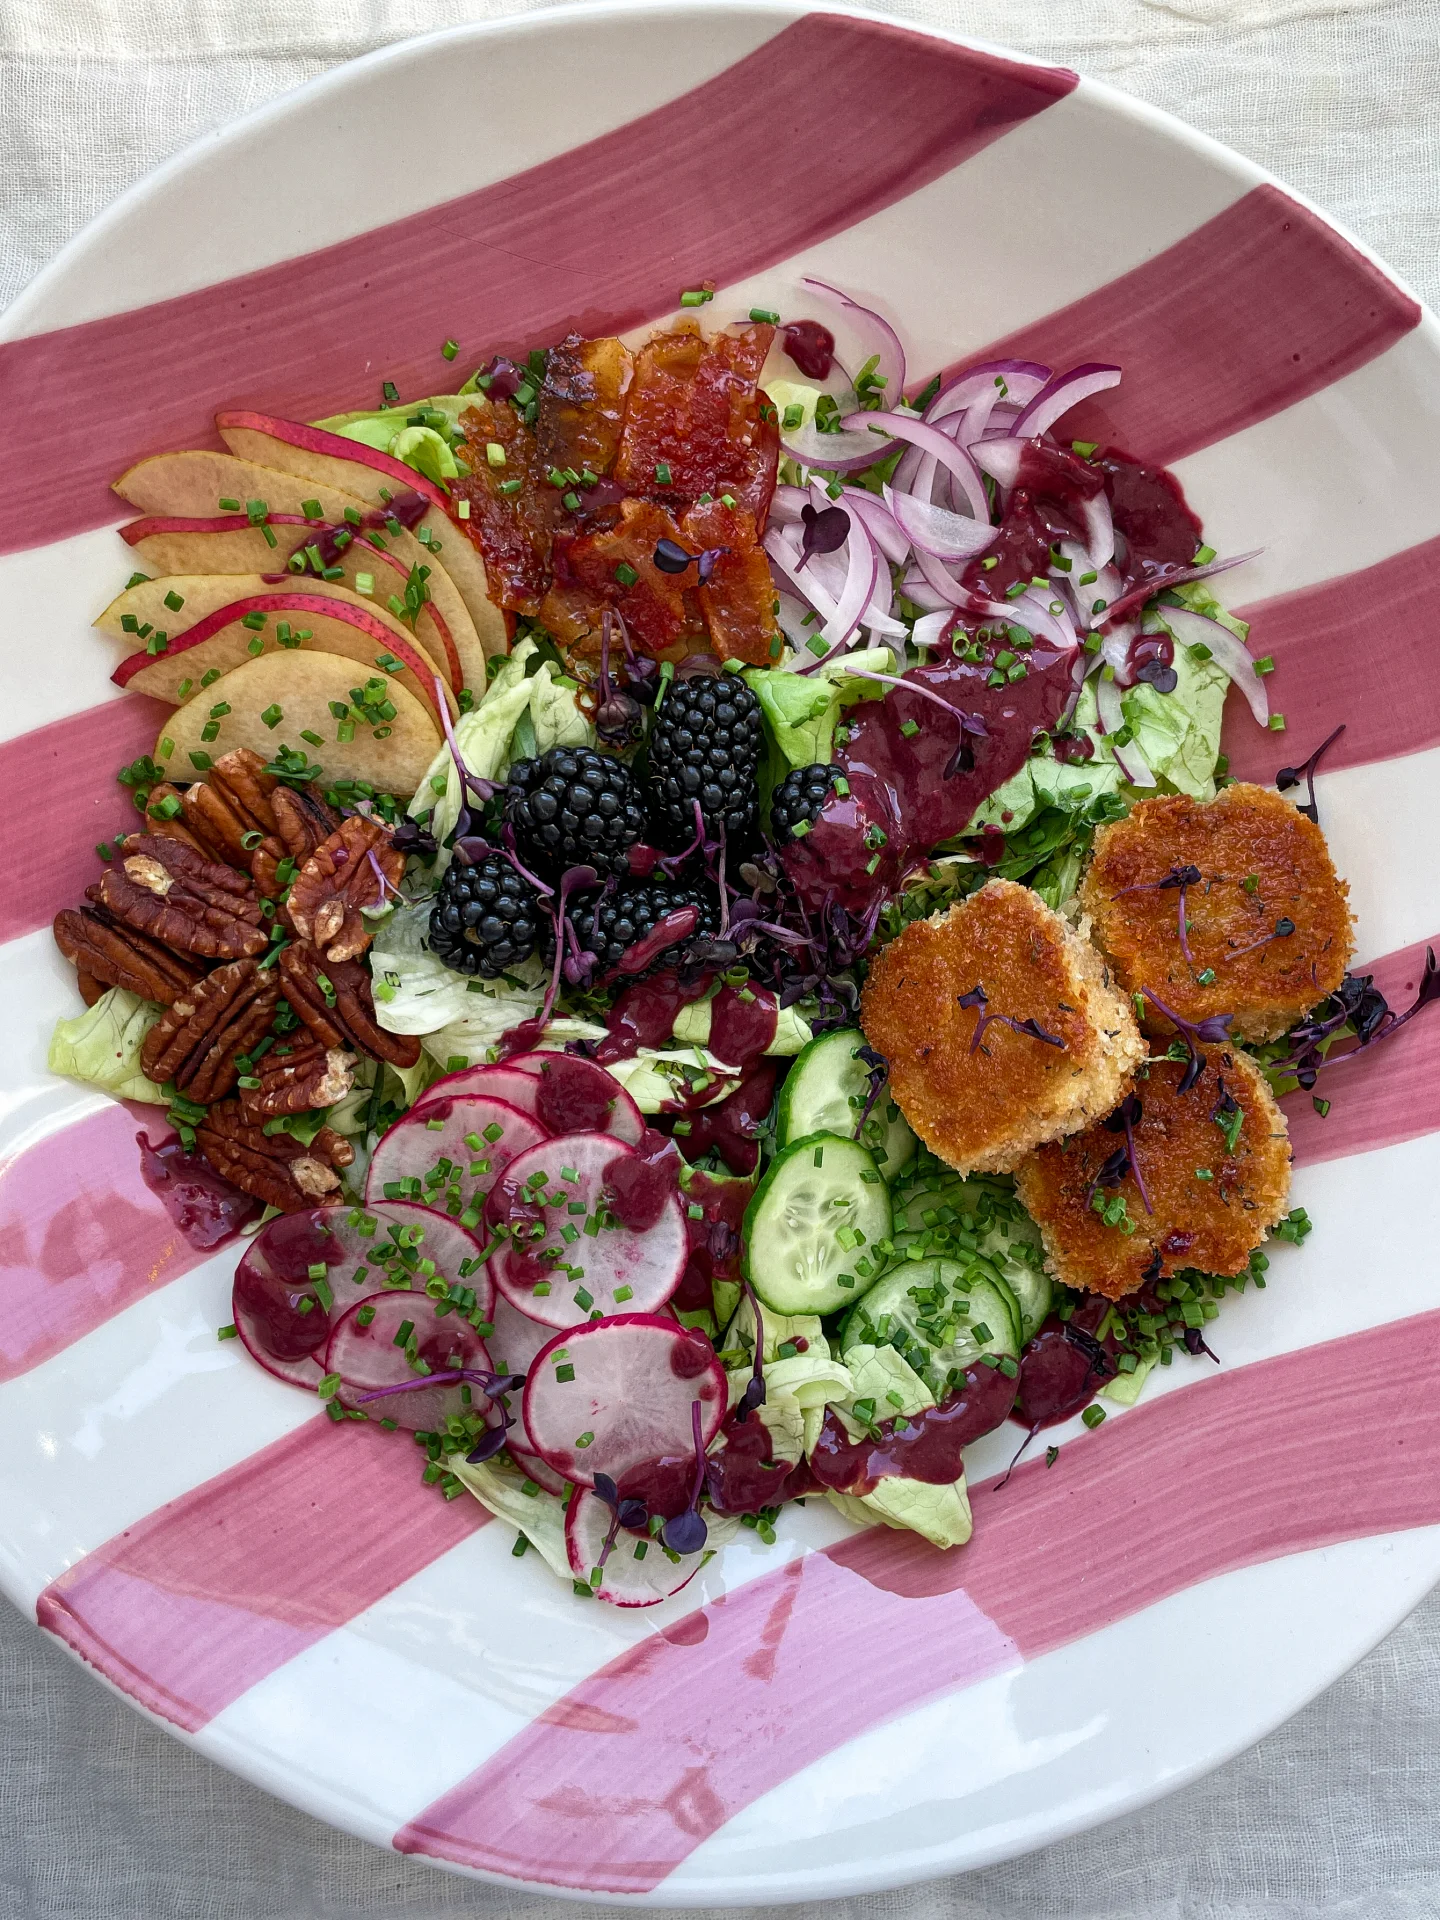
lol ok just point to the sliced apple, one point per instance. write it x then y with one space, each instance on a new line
286 700
172 489
153 604
279 622
330 460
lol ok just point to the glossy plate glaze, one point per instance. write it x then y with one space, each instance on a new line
845 1711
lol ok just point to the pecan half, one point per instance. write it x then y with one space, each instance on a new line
333 998
170 825
174 894
302 821
272 1167
297 1076
108 954
196 1043
340 877
230 806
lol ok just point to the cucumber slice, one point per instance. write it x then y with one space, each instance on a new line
825 1092
821 1205
1034 1293
940 1316
949 1218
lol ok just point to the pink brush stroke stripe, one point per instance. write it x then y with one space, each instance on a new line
73 763
601 238
1392 1093
618 1783
81 1235
198 1602
1260 307
1360 648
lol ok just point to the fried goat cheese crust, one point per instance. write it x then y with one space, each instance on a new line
1212 1224
978 1092
1267 916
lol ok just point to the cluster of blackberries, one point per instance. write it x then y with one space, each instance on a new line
576 807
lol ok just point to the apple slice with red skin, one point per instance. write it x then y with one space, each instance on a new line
275 700
332 460
175 487
222 641
202 594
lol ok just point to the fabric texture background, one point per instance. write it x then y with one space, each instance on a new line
102 1817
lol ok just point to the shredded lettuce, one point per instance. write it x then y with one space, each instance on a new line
539 1516
940 1513
102 1046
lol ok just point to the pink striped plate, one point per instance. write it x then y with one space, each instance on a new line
844 1711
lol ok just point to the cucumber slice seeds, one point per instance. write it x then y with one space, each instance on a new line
819 1207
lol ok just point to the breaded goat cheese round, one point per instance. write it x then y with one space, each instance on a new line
1000 1027
1197 1180
1266 920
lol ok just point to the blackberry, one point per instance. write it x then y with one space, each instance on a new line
705 745
486 918
800 797
574 807
629 912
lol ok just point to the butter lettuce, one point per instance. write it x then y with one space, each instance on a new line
940 1513
792 1029
102 1046
802 711
539 1515
424 445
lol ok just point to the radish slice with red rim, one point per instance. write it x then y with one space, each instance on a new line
448 1153
617 1394
534 1468
577 1095
567 1256
391 1345
514 1343
633 1569
296 1273
517 1090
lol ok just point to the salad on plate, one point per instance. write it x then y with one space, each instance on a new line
691 927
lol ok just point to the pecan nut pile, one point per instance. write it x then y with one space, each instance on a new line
168 891
108 954
334 1000
243 815
297 1076
274 1167
198 1041
357 866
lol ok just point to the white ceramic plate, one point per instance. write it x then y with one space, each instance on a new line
841 1712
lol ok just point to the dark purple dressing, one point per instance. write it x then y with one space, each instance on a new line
202 1203
928 1446
810 346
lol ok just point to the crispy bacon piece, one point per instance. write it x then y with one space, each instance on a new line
738 599
696 410
582 404
653 604
511 530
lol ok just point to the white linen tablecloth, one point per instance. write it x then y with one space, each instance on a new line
102 1817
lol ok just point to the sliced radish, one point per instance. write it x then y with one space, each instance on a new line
615 1394
578 1096
296 1273
448 1153
558 1266
636 1570
376 1343
530 1463
518 1090
513 1345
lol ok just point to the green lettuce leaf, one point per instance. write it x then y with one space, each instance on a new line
102 1046
801 712
539 1515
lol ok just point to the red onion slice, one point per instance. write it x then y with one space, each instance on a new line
1137 596
930 629
886 350
1062 393
1023 380
1229 651
999 458
1129 759
935 530
917 588
844 452
932 440
879 521
1099 529
946 589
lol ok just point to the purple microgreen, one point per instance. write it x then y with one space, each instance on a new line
708 561
670 557
673 863
754 1394
490 1384
1126 1118
1031 1029
687 1532
507 835
489 1444
385 886
1289 777
573 879
1214 1031
826 528
1283 929
1195 1343
879 1069
470 783
630 1512
410 838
